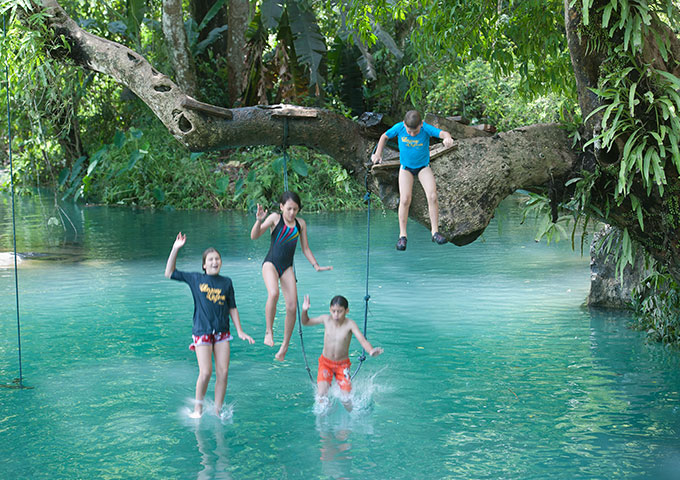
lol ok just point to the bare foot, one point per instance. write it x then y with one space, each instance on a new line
196 414
281 355
269 339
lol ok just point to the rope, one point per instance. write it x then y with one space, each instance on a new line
367 297
367 199
297 299
14 230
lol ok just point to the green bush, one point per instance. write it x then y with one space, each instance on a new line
149 168
474 93
656 304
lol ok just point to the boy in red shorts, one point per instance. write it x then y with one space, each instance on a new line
334 360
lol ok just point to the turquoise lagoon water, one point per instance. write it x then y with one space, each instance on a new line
492 368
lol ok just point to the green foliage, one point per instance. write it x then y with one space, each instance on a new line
474 93
193 30
297 27
524 37
321 182
639 107
538 206
148 169
656 303
144 169
639 104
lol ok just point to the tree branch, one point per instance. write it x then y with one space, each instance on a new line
472 179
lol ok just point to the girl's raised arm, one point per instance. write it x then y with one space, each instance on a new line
307 252
262 222
172 259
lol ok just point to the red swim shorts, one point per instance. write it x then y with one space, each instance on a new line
329 368
210 339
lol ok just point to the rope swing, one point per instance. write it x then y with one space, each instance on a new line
18 382
367 200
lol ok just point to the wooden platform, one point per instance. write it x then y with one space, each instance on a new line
292 111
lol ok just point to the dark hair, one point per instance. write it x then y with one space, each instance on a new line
285 196
412 119
205 254
340 300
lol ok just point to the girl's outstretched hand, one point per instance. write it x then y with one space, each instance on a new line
244 336
306 303
319 268
261 213
179 241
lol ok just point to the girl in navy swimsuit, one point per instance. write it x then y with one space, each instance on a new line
286 229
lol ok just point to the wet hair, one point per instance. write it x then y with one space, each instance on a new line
412 119
285 196
205 255
340 300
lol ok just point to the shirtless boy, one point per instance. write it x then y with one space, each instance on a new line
334 360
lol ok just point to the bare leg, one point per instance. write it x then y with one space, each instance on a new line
322 389
204 357
289 289
221 351
346 400
405 190
426 178
271 281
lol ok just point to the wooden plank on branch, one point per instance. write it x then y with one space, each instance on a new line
193 104
439 149
385 165
291 111
392 161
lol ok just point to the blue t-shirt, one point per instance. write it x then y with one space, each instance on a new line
414 152
213 298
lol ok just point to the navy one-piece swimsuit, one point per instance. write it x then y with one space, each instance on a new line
282 248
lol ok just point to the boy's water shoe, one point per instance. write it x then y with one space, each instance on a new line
401 243
438 238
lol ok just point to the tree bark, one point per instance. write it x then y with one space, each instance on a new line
177 44
238 20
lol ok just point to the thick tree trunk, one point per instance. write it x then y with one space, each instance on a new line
239 18
176 40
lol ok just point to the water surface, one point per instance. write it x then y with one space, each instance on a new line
492 369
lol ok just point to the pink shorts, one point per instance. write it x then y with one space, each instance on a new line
210 339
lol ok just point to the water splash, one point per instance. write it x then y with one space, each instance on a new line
226 415
331 414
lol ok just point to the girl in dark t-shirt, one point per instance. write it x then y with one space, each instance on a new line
214 303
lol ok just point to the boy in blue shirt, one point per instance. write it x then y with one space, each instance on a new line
414 156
